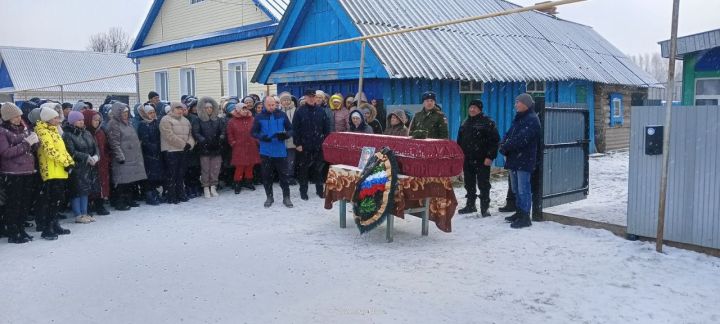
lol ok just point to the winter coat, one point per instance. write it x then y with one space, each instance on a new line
399 129
270 124
127 159
364 128
330 116
149 134
53 158
175 132
193 156
520 145
375 126
381 115
103 166
310 127
81 146
290 113
244 145
429 124
209 130
17 157
478 137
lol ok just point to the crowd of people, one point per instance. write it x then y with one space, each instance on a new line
55 156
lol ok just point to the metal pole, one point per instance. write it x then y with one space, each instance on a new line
222 80
666 135
137 79
62 94
361 73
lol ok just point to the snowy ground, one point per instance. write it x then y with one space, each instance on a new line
607 201
228 260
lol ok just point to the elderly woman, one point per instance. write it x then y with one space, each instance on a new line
369 112
287 104
358 124
209 133
83 180
396 124
93 120
175 142
128 166
340 113
55 162
149 134
17 168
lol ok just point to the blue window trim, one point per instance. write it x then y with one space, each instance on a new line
616 121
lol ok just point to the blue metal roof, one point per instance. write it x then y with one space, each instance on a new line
274 9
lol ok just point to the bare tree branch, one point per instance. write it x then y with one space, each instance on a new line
114 40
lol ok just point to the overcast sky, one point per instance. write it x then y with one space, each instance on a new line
634 26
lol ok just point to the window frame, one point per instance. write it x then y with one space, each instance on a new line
472 87
232 87
535 84
163 91
617 113
705 97
181 75
194 2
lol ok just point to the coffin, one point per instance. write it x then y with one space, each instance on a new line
416 157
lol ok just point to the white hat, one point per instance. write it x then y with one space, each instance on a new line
48 114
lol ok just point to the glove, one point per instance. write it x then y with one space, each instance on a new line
266 138
32 139
68 169
121 162
187 147
96 158
282 136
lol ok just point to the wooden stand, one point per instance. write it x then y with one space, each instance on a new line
390 222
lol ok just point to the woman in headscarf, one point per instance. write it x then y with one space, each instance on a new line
340 113
396 124
369 112
209 134
128 166
81 146
149 134
287 104
358 124
93 120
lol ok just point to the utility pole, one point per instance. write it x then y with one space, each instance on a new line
669 97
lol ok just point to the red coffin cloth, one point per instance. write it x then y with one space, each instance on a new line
416 157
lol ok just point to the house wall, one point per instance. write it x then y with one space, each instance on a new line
179 19
207 76
704 64
617 137
95 98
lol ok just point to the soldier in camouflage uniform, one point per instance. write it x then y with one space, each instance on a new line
430 122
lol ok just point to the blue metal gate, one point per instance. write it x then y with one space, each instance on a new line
566 147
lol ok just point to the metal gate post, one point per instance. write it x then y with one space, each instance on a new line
343 204
390 230
425 217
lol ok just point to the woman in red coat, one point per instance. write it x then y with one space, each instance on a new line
245 154
97 200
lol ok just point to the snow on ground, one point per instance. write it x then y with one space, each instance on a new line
607 201
228 260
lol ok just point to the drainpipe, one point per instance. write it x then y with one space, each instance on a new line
62 94
267 43
222 80
137 78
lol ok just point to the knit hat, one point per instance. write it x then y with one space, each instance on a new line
48 114
79 106
526 100
309 93
74 117
34 115
429 95
152 94
230 107
285 95
9 111
148 108
476 102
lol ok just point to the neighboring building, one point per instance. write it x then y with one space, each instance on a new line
176 32
700 54
26 73
493 59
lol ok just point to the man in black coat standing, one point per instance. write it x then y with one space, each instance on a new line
310 127
478 137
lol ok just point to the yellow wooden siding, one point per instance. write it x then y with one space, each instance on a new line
207 76
179 19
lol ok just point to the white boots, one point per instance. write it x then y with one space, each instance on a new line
211 192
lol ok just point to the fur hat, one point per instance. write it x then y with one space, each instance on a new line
526 100
9 111
74 117
147 108
47 114
429 95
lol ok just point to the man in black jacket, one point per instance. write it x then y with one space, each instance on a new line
310 127
478 137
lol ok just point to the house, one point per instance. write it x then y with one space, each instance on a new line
26 73
176 32
700 54
493 59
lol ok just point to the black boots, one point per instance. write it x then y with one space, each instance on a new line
509 207
59 230
237 188
248 184
16 234
303 191
98 207
512 218
52 230
320 191
286 198
269 201
469 207
152 198
523 220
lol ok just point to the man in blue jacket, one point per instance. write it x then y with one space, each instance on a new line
310 127
520 147
272 128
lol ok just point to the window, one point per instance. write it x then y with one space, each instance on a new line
471 87
581 94
616 110
161 84
237 79
196 1
707 92
536 87
187 82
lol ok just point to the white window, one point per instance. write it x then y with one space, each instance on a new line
237 79
471 87
187 82
161 84
536 87
707 92
196 1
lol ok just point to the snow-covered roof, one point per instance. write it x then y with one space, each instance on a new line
32 68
